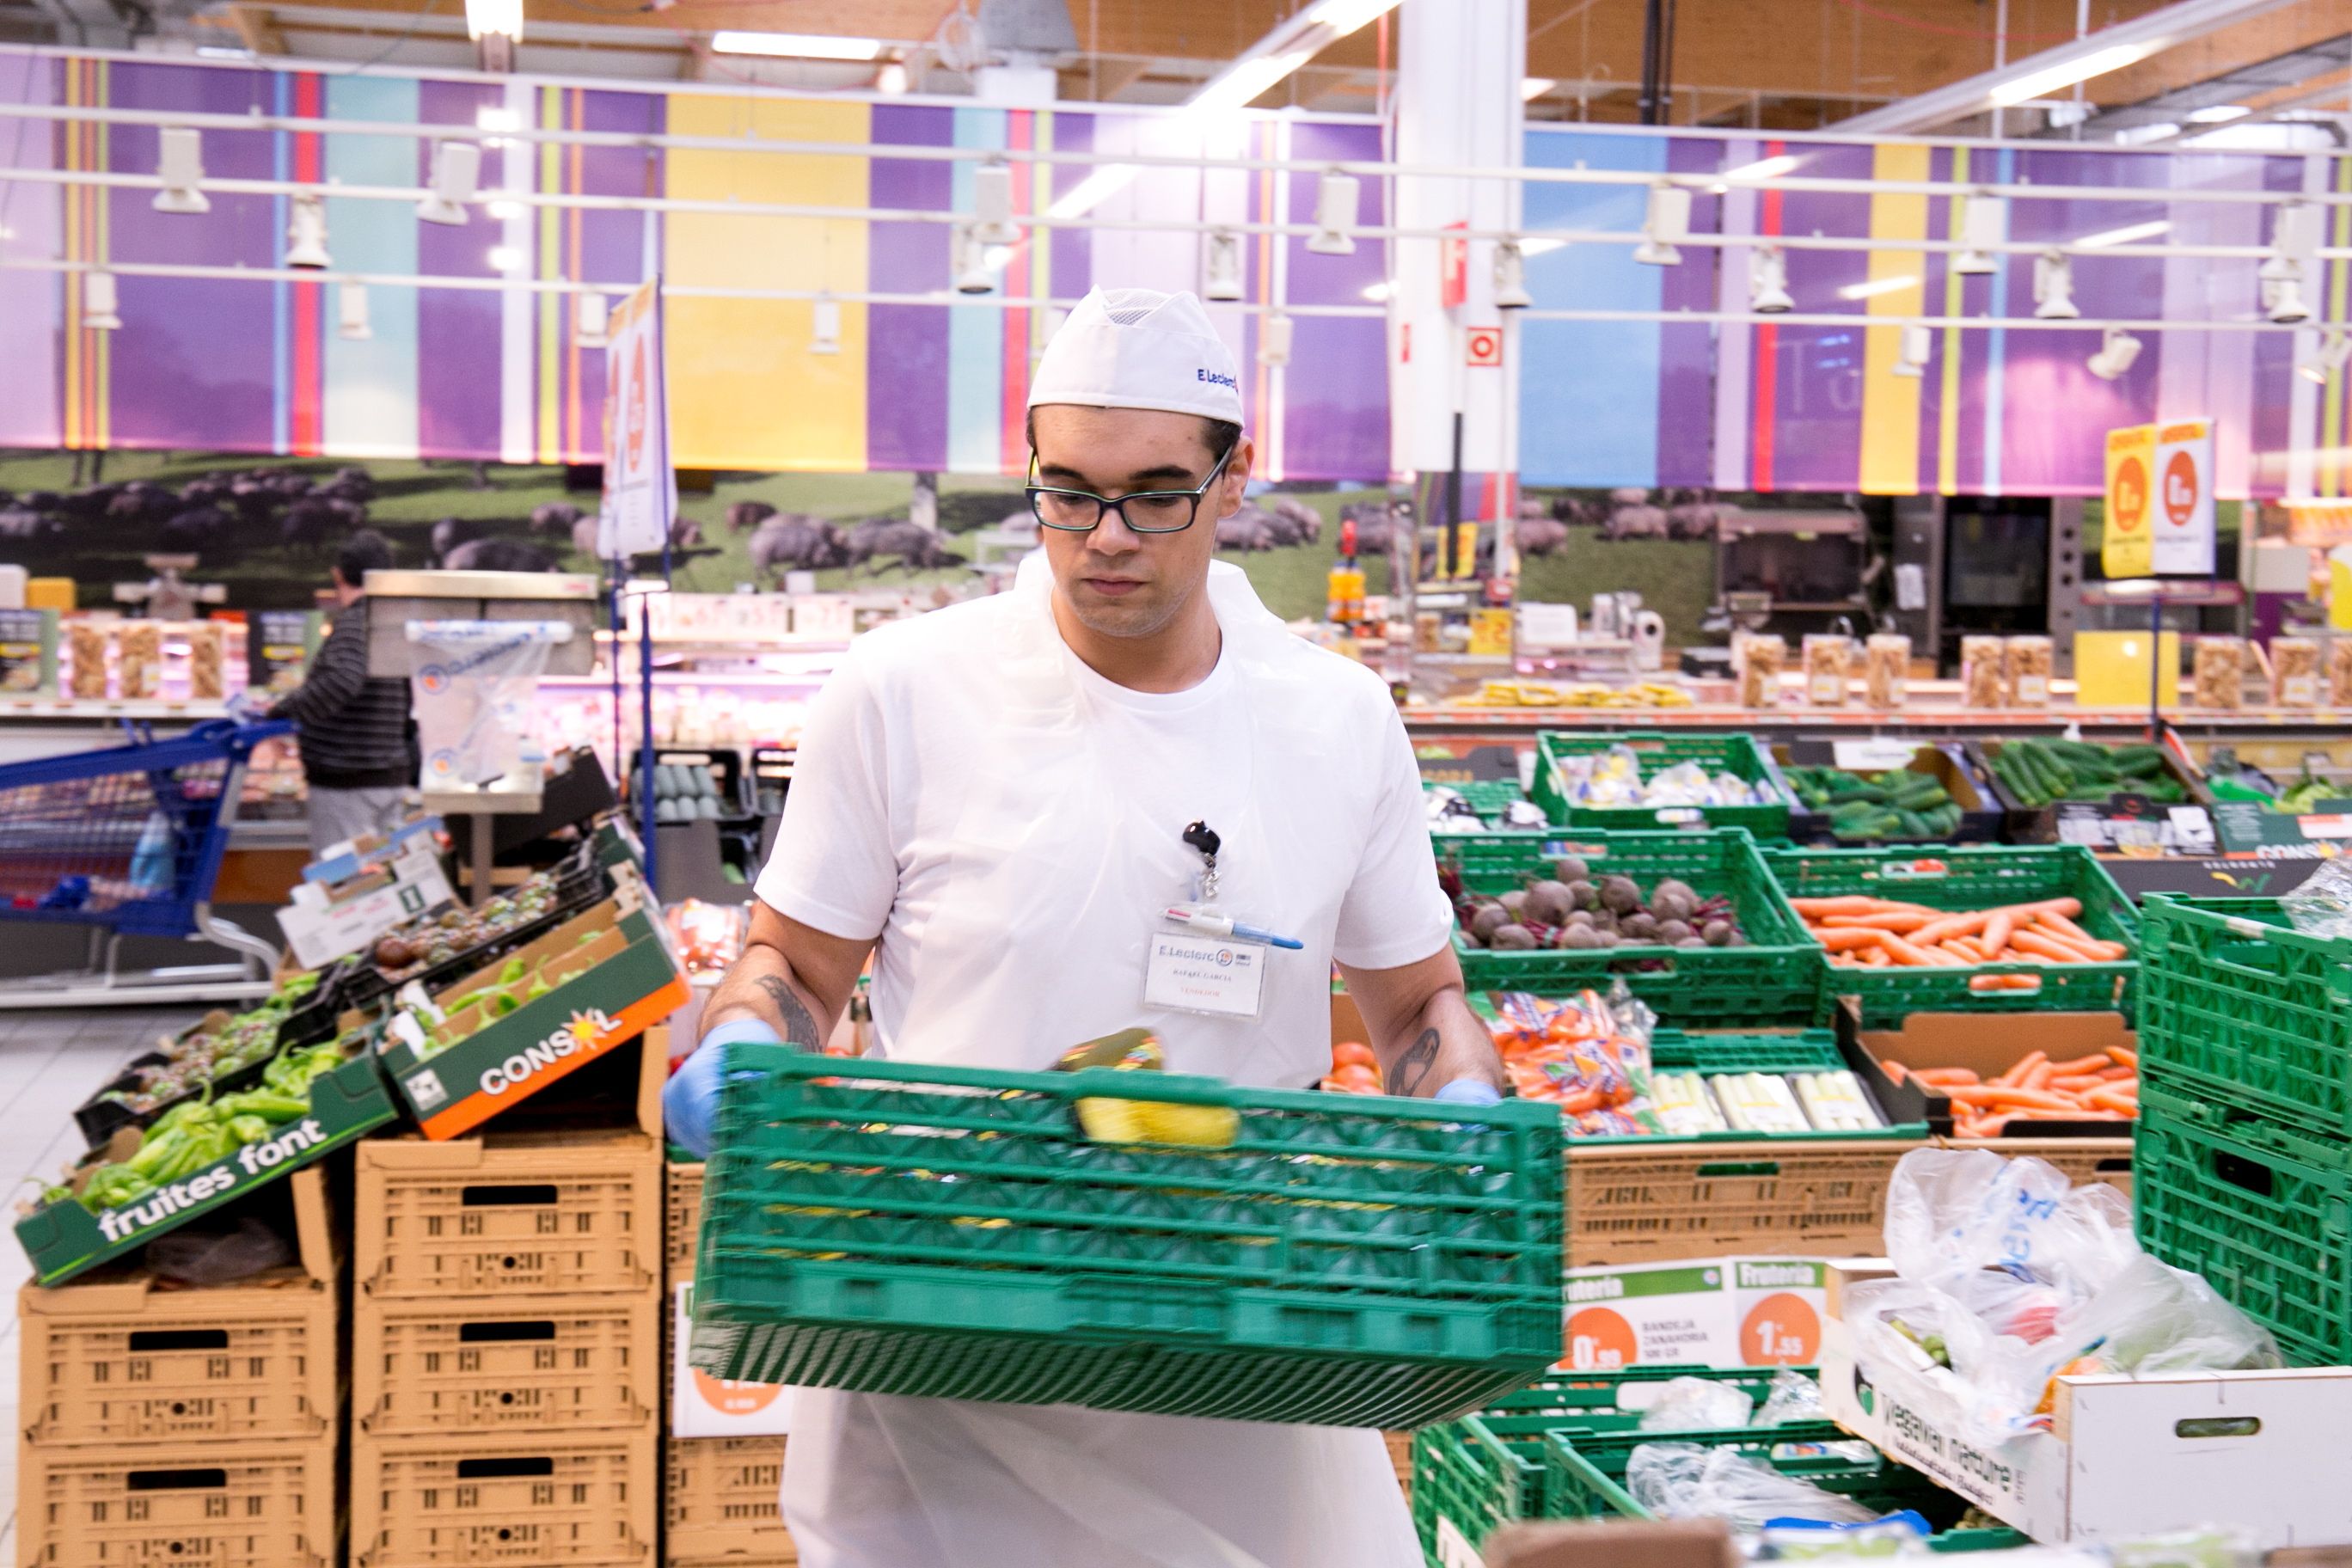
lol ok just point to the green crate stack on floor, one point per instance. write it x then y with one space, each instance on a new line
2242 1159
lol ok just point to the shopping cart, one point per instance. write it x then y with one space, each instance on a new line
127 842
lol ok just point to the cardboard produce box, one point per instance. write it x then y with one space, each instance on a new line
2126 1458
533 1017
63 1239
400 880
1988 1047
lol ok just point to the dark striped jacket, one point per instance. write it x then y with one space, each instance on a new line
355 733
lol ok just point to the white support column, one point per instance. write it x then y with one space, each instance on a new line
1460 66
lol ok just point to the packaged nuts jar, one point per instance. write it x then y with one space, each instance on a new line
1760 657
1885 669
2025 665
2295 673
139 660
2339 672
2220 672
1983 682
1827 658
205 682
86 643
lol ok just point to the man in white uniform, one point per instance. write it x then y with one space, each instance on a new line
999 795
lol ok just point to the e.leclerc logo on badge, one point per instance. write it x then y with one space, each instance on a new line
433 680
1216 378
1225 958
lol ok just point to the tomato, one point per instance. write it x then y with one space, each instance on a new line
1354 1053
1356 1079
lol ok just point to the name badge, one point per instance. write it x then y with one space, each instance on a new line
1217 975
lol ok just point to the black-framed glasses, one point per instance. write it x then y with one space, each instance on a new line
1145 511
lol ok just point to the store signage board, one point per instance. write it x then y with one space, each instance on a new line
702 1406
2160 501
1455 279
640 486
1483 348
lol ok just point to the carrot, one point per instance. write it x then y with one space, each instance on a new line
1995 1095
2039 1077
2025 1064
1902 920
2041 906
1907 953
2126 1056
1951 925
1895 1071
1939 1078
2062 925
2045 947
1848 940
1965 947
1997 925
2075 1083
2114 1098
2111 1075
2005 983
2090 1064
1876 958
1849 904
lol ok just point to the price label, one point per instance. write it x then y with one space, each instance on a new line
1876 755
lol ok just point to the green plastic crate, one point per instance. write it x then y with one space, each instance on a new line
1732 1051
1584 1478
1730 752
1970 878
1775 978
1486 1471
949 1232
2262 1210
2240 1008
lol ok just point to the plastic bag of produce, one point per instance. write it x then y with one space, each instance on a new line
2322 905
1687 1481
1953 1213
1696 1404
473 692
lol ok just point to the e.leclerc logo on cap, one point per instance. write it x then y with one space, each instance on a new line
1216 378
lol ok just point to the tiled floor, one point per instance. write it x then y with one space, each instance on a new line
49 1063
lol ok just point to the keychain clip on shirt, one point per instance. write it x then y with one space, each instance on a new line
1213 962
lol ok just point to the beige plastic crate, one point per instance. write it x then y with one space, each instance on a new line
588 1499
683 1187
1401 1459
2083 1160
210 1505
549 1363
131 1361
1630 1203
507 1215
721 1501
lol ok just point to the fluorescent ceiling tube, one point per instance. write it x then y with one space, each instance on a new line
1344 17
2066 73
1762 169
792 45
1879 286
2123 235
1534 87
2217 113
494 19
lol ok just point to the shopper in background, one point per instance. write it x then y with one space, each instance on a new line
1008 795
358 743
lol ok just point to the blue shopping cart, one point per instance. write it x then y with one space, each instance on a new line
128 841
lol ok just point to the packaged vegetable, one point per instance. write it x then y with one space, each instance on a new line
1686 1107
1758 1102
1834 1102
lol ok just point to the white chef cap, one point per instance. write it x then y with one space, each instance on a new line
1137 348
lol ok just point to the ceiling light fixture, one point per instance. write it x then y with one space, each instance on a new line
991 201
2117 351
495 27
457 172
100 304
1511 277
1221 266
306 233
1665 222
2054 286
497 118
1543 247
2217 113
969 254
1274 334
179 164
892 78
2294 240
2099 62
1911 358
1767 282
595 329
2335 350
352 312
824 325
1534 87
1336 196
2283 301
2123 235
1762 169
1984 229
506 258
791 46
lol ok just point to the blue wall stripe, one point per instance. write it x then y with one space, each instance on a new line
975 338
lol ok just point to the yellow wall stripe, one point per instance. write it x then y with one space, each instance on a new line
550 265
2330 452
1890 403
756 397
1947 407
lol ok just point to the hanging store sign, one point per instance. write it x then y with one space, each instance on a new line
2160 501
640 485
2128 548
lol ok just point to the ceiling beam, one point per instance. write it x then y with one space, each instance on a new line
258 26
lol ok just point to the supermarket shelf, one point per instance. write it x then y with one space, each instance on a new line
1781 722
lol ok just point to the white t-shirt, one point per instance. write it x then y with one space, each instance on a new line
1009 823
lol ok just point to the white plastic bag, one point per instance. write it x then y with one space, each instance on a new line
2321 905
1696 1404
1952 1214
473 696
1688 1480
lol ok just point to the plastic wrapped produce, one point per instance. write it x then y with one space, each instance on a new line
2025 668
1885 669
1828 660
2220 672
1983 677
1688 1480
1696 1404
2295 673
1760 658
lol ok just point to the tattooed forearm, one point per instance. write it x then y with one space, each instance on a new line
1412 1068
796 1024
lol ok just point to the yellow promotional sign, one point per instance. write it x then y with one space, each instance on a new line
2129 549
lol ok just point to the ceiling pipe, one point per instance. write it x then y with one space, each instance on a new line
2092 55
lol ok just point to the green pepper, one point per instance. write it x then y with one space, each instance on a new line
263 1102
539 987
503 1003
512 970
248 1129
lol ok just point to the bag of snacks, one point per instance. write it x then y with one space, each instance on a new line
2295 673
1827 659
2220 672
2025 666
1885 669
1983 680
1760 657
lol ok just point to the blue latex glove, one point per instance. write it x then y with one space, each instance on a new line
690 1098
1469 1091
